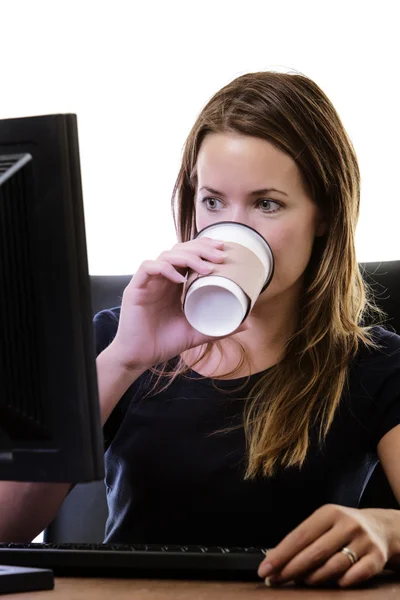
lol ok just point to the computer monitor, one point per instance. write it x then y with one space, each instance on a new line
50 427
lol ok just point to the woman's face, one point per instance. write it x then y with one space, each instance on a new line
248 180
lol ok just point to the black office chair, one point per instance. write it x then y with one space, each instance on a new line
83 514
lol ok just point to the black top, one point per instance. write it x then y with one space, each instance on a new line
169 480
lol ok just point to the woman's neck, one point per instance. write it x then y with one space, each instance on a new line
270 325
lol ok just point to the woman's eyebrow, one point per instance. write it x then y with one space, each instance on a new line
254 193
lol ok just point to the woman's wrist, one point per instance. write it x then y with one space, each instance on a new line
390 521
128 367
113 379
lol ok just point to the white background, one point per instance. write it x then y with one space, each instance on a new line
138 73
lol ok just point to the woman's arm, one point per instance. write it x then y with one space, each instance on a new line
389 456
28 508
312 551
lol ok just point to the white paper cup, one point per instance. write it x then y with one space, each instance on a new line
218 303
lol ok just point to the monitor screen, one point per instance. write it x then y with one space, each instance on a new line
50 427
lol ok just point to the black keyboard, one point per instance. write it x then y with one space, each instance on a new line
137 560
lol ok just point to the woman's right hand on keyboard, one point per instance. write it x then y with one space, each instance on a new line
152 326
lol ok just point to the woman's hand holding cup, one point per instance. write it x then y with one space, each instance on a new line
152 325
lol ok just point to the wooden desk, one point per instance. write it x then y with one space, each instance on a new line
160 589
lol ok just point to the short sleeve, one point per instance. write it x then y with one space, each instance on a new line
383 376
388 414
105 325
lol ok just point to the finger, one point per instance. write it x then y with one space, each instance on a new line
368 566
204 241
183 258
336 566
199 246
315 555
185 261
153 268
302 536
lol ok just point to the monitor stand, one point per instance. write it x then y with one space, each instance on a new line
24 579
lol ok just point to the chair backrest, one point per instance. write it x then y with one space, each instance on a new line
384 277
385 280
83 514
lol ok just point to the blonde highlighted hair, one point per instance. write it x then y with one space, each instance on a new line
304 389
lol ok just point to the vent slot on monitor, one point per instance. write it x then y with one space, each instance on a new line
22 410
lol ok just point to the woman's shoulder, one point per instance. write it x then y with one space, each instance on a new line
108 316
386 335
375 383
386 350
105 325
375 371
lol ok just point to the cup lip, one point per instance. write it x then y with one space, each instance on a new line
232 223
213 277
267 282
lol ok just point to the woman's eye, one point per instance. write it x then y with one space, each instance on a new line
265 204
211 203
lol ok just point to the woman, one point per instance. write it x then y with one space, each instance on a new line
266 437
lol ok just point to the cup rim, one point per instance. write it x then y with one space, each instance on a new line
210 280
233 223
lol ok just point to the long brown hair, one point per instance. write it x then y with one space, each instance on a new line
290 111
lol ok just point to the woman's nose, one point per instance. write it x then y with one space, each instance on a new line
239 215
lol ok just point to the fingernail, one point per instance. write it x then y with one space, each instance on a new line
271 581
264 569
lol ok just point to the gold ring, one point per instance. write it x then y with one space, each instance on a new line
351 555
